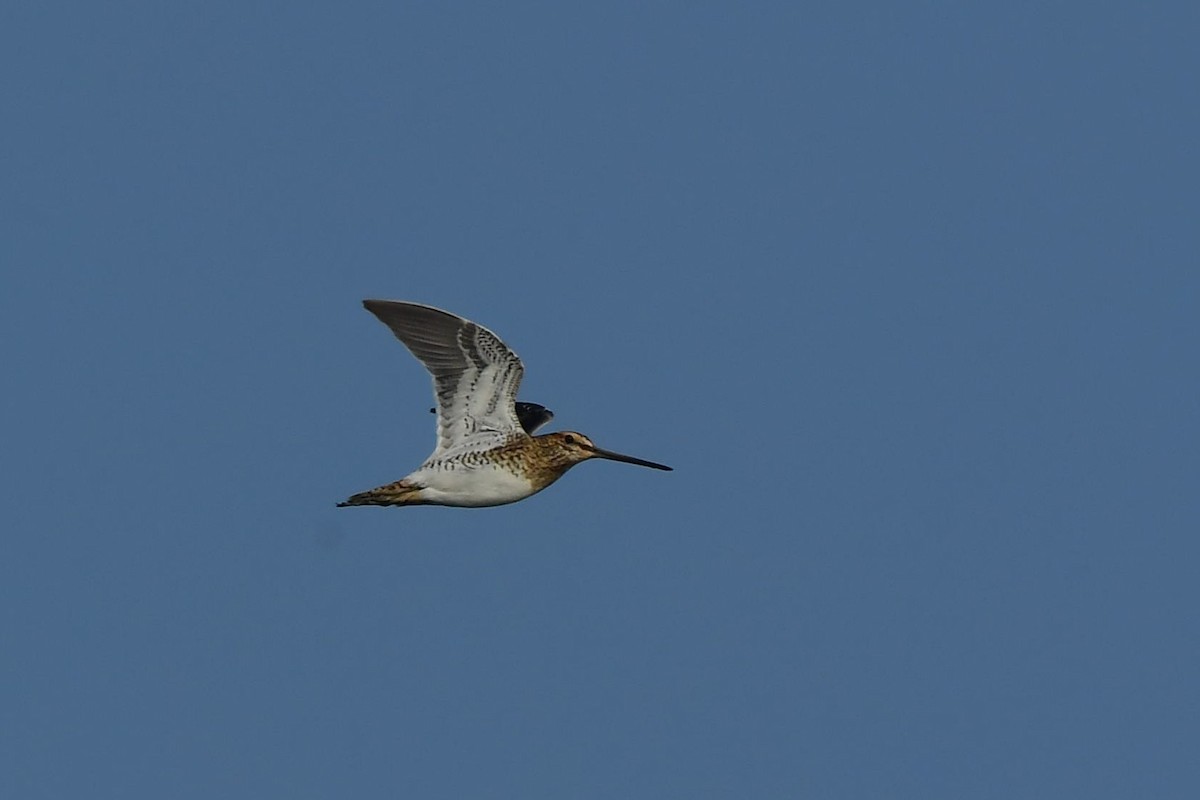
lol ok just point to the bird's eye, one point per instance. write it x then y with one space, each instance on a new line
569 439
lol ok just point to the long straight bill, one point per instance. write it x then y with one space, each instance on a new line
641 462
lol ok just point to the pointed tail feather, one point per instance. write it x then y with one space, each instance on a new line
400 493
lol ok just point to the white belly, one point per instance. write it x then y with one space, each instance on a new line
471 486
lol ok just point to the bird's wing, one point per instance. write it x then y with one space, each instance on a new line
475 376
531 415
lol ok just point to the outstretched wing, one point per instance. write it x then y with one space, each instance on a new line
475 376
531 415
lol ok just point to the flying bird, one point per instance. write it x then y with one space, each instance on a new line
486 454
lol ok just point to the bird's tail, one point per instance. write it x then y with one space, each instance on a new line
400 493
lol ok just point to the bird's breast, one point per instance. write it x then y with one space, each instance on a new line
472 485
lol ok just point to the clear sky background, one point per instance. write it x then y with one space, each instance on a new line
907 294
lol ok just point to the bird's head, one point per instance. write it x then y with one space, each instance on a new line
574 447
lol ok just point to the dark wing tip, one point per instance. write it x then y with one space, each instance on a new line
532 416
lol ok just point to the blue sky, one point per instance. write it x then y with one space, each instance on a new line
907 295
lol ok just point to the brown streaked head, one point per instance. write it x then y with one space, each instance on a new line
576 448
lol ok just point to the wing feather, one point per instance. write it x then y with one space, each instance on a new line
475 375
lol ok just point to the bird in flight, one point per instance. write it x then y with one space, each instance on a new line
486 454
